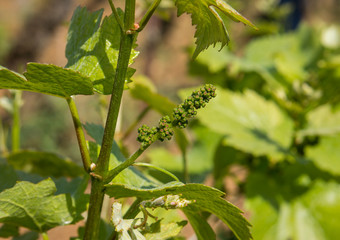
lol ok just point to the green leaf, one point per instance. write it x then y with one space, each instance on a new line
47 79
326 154
322 121
28 236
249 122
169 225
199 157
8 176
8 230
208 16
206 199
44 164
93 49
311 215
143 89
199 224
35 207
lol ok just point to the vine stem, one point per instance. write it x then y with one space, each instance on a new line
45 236
85 155
97 187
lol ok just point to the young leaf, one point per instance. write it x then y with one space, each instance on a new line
34 206
47 79
206 199
210 25
93 49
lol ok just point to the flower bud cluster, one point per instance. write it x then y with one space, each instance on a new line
187 109
181 114
165 129
146 135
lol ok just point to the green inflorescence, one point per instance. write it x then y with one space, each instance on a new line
197 100
181 114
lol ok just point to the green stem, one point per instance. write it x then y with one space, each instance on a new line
45 236
148 15
129 18
97 188
85 155
135 123
128 162
16 121
133 209
3 148
185 168
115 13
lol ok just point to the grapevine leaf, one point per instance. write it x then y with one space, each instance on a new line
322 121
44 164
313 214
199 224
168 226
47 79
92 49
326 154
8 176
208 16
199 157
206 199
8 230
28 236
34 206
249 123
143 89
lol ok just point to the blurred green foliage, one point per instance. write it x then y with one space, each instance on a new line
276 115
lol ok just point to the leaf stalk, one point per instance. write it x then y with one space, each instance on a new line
85 155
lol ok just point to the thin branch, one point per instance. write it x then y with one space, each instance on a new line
85 155
148 15
128 162
115 13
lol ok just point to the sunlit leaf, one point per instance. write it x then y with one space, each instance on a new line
208 16
47 79
92 49
34 206
326 155
322 121
249 123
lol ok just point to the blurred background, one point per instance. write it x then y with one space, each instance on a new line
292 61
